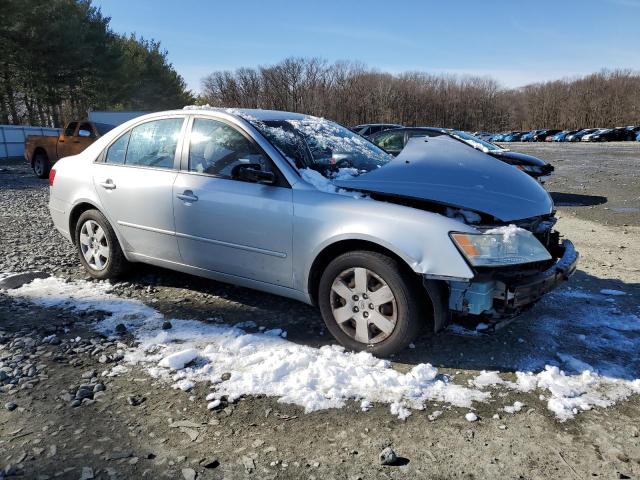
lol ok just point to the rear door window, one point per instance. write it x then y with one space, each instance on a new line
117 152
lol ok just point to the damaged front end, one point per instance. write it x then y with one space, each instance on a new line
503 290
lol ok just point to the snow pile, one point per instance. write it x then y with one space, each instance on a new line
508 232
466 216
594 361
255 363
323 184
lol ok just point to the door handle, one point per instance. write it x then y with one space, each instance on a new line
108 184
187 196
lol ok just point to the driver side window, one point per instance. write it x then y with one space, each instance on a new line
217 149
153 144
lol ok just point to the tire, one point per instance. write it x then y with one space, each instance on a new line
98 247
41 165
403 313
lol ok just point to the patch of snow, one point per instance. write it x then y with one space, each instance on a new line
516 407
471 417
458 329
601 370
259 363
466 216
323 184
508 232
608 291
178 360
486 379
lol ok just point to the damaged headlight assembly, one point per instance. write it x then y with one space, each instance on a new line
500 247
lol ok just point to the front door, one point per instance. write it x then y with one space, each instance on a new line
227 225
134 183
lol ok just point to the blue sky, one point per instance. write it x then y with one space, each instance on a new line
516 42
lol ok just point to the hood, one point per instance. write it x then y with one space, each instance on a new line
517 158
444 170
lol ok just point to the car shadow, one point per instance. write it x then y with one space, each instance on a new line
563 199
576 327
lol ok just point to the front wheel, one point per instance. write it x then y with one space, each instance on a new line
98 247
41 165
369 301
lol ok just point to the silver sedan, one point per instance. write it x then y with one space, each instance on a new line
302 207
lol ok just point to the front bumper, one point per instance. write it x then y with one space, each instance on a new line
503 296
510 297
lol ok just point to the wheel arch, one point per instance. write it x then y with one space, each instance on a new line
37 151
331 251
74 215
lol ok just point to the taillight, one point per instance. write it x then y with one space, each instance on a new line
52 176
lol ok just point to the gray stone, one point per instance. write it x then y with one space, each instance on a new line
387 456
120 328
99 387
87 473
10 406
166 325
189 474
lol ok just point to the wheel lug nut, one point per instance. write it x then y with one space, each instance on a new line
355 298
365 296
356 309
371 306
365 314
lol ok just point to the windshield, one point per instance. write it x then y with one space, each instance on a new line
322 145
475 142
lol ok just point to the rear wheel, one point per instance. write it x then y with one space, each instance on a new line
370 302
41 165
98 247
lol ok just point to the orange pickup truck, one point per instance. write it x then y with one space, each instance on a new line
42 152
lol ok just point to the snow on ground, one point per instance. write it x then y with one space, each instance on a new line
599 370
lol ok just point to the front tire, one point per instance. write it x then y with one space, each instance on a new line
41 165
369 301
98 247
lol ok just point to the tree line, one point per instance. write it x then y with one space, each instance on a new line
351 93
59 58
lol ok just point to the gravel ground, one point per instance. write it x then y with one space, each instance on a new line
59 418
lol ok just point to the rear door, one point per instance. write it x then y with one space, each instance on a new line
134 181
227 225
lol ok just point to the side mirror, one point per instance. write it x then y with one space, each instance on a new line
84 133
252 172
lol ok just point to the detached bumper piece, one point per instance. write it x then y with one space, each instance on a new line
499 298
509 298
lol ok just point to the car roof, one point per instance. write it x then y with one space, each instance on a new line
250 113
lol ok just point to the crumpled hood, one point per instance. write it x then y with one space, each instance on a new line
444 170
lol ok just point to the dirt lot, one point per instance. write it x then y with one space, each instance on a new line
133 425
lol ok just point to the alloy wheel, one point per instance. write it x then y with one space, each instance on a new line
94 245
363 305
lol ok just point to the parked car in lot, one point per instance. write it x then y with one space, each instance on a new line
301 207
577 137
607 135
542 135
370 128
44 151
513 137
638 137
394 141
562 136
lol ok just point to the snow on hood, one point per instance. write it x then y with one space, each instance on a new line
444 170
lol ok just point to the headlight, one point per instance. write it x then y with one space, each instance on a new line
500 247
